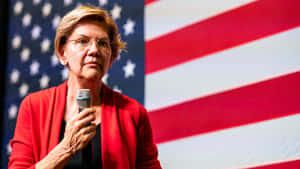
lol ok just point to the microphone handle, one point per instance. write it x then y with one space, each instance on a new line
84 99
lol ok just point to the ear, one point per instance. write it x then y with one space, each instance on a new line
62 56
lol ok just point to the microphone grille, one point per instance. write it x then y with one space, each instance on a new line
83 94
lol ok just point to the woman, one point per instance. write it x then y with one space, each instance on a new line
51 133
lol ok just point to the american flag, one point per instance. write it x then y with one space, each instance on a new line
220 79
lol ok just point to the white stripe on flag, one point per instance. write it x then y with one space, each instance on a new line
168 15
246 64
245 146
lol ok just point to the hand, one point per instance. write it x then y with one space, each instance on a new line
80 130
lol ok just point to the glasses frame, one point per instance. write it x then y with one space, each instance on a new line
84 42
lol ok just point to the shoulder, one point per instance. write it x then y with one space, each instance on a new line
34 105
129 108
40 98
42 95
127 103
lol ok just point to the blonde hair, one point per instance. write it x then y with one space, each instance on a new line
71 19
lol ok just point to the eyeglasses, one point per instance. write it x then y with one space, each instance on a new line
84 42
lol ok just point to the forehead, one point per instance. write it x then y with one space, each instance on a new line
91 29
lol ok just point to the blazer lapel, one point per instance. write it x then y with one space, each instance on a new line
113 151
57 108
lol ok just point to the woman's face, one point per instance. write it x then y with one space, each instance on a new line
87 51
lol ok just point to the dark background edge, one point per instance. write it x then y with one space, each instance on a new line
4 6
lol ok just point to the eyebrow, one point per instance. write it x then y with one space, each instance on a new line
103 38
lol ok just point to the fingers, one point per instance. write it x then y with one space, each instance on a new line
85 121
80 129
88 129
86 112
82 119
88 133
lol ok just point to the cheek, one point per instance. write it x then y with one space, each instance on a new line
107 53
106 57
75 58
72 53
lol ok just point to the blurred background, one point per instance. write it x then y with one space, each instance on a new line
220 79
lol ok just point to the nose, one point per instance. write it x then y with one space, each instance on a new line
93 49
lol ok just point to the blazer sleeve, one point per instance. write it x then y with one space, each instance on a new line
22 155
146 149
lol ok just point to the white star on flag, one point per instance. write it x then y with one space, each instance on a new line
16 42
116 11
46 10
104 78
35 32
44 82
129 69
12 111
36 2
8 149
54 60
23 90
14 76
102 2
25 53
65 73
117 89
18 7
45 45
129 27
26 20
67 2
55 21
34 68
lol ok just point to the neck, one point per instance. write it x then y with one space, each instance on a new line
75 84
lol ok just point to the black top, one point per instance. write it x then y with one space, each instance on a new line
76 162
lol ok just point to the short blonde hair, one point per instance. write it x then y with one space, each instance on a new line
71 19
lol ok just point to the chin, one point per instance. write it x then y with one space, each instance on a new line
93 75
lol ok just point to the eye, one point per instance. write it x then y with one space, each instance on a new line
83 41
102 43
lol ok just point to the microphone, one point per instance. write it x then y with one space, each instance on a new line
83 99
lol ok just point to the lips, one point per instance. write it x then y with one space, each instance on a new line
92 62
94 65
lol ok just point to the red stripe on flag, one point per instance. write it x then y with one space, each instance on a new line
147 2
295 164
235 27
266 100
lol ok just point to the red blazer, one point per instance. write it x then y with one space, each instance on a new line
125 130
